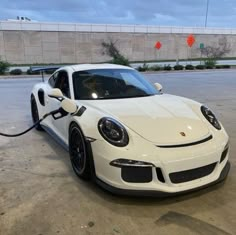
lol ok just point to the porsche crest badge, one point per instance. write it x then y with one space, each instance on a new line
183 134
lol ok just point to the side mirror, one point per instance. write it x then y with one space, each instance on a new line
158 86
55 93
69 106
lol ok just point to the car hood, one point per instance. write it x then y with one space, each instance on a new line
161 119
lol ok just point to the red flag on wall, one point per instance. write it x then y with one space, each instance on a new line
158 45
190 40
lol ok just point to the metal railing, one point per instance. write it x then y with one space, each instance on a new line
116 28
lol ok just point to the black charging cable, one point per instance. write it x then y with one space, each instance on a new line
56 114
29 129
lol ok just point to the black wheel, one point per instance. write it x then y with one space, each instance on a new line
78 153
35 113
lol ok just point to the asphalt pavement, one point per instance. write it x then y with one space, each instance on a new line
40 194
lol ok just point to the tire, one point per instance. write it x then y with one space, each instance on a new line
35 113
79 154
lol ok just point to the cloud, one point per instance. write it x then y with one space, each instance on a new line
222 13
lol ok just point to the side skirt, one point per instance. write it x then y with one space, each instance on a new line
56 137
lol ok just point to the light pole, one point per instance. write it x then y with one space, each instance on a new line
206 13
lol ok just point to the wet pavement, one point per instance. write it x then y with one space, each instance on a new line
40 194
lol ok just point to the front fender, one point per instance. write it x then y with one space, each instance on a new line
39 92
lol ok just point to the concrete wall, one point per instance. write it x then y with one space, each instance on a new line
27 43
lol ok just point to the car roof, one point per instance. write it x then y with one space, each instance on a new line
80 67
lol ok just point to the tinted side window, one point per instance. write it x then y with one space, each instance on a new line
52 80
62 83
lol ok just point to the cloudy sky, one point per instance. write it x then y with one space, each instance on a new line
222 13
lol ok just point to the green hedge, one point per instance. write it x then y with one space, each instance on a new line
4 65
143 68
226 66
155 68
210 67
167 68
200 66
189 67
178 67
16 72
120 59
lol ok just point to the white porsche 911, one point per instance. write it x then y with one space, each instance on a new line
127 135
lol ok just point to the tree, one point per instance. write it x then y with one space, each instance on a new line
217 52
4 65
110 49
213 53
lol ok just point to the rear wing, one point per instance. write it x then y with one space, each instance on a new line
43 69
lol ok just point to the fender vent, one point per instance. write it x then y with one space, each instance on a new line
41 97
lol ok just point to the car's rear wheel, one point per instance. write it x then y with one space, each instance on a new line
78 153
35 113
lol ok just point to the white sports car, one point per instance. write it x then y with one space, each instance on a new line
127 135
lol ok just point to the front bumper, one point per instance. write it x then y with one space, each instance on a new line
155 193
173 170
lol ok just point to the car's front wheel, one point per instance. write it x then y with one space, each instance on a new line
79 153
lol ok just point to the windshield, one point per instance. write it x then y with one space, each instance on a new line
110 84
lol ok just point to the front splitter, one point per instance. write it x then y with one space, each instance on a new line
161 194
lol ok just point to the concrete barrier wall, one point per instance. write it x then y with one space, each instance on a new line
28 42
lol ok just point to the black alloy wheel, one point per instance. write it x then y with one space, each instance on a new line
78 153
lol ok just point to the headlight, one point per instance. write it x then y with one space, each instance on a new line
113 132
210 116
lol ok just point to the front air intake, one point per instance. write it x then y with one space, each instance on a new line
136 174
193 174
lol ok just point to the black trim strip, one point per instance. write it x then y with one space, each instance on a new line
186 145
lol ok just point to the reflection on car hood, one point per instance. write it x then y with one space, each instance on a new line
161 119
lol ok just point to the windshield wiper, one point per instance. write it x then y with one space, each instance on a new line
117 97
143 95
123 97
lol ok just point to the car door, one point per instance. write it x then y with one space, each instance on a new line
48 122
59 126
